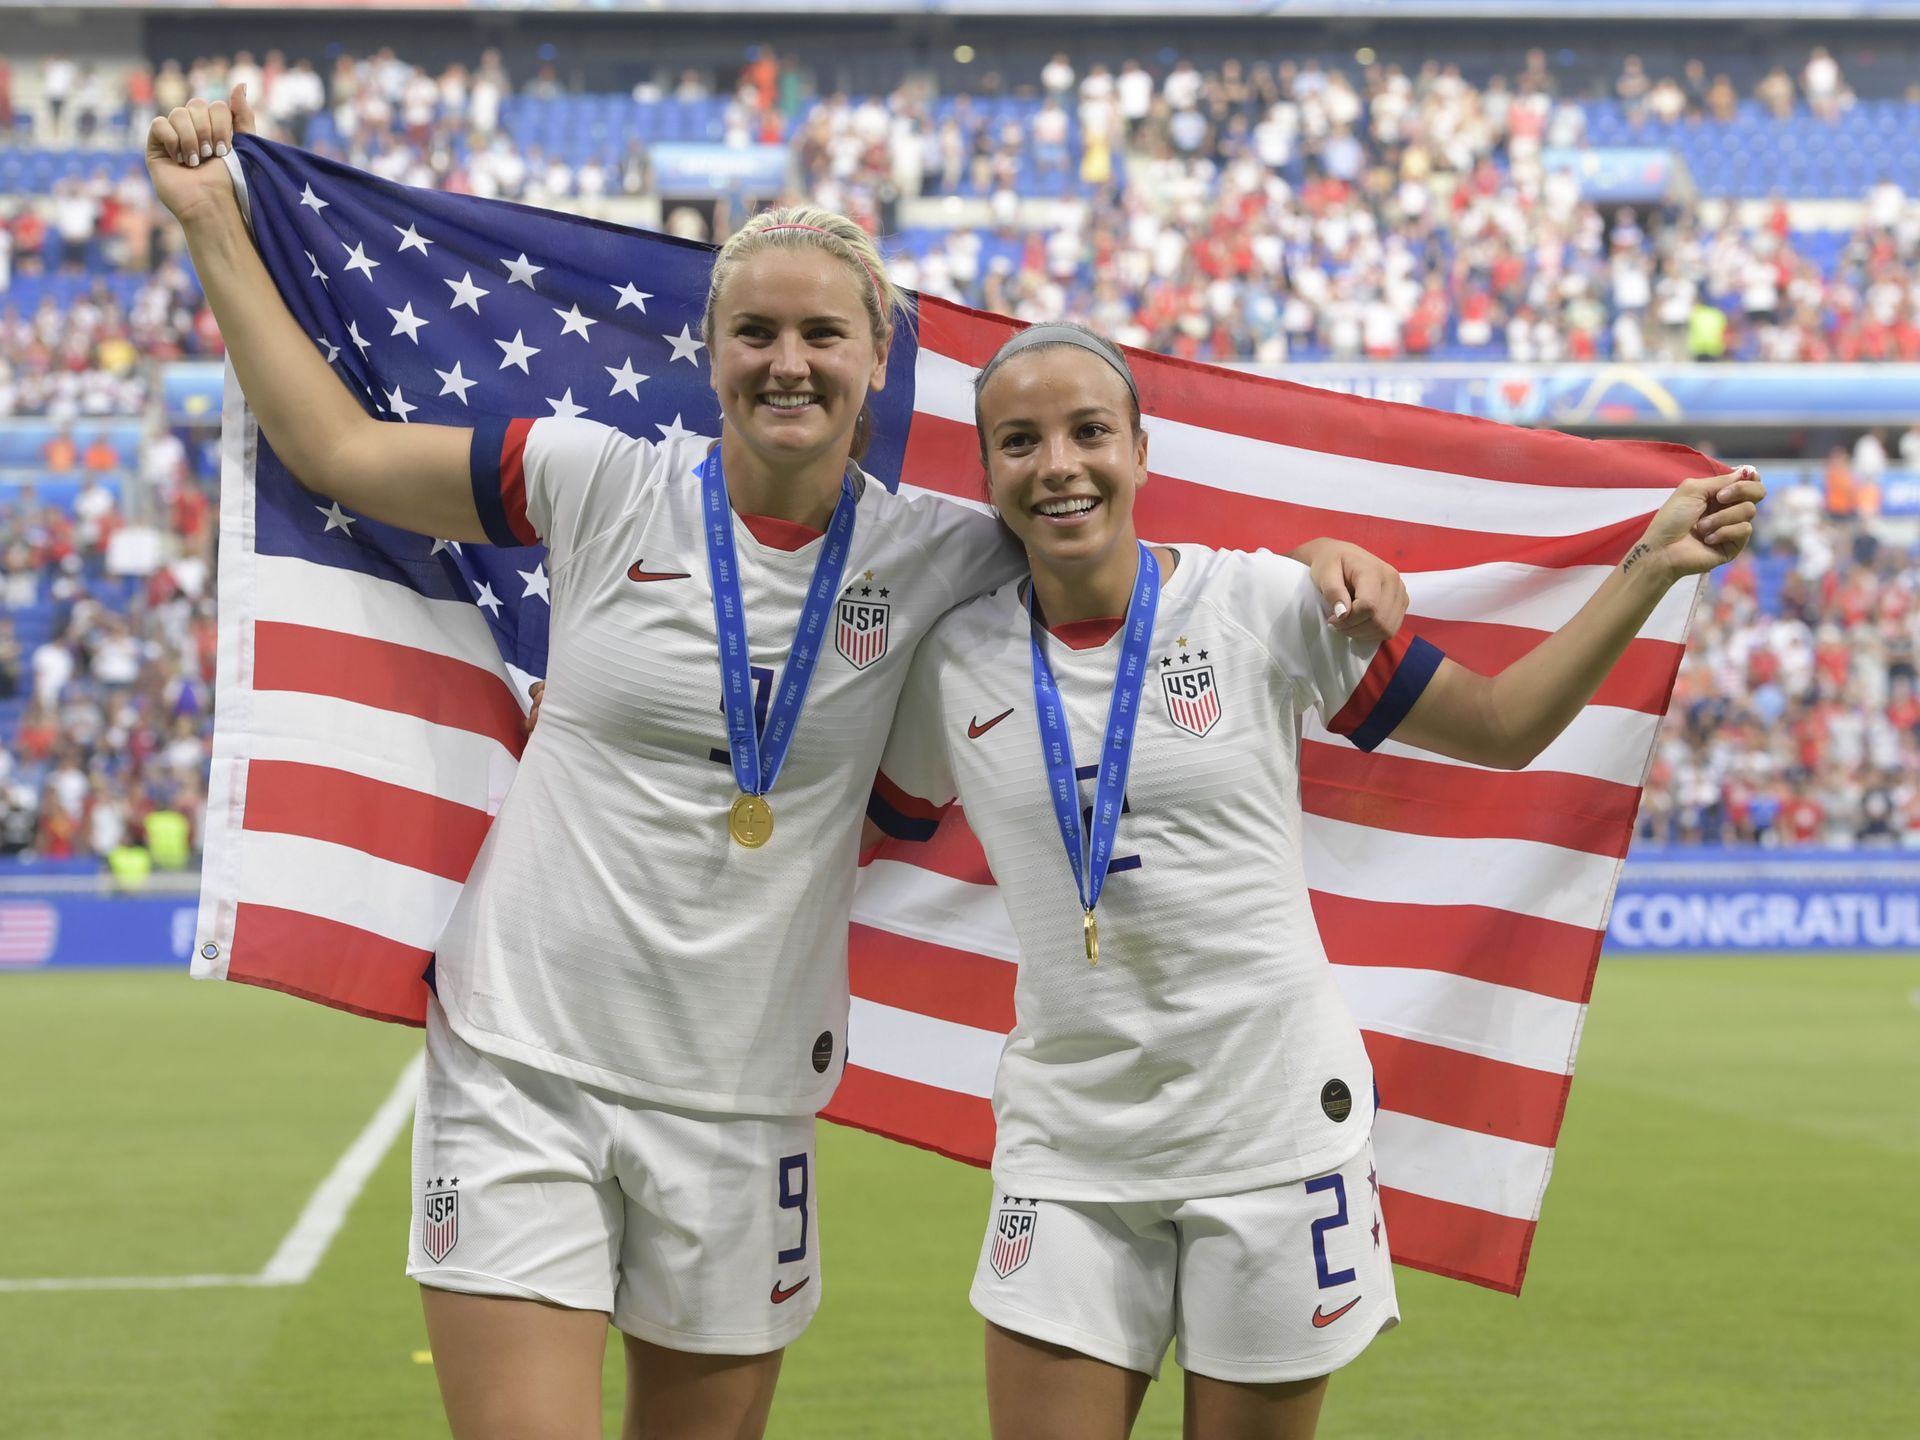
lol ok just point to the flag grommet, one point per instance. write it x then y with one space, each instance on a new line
209 951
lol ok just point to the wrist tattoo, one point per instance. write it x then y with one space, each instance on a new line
1635 555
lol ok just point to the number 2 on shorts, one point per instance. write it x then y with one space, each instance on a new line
1336 1183
796 1199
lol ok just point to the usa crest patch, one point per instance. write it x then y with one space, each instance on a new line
440 1219
860 634
1193 699
1013 1227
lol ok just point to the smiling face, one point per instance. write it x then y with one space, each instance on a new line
794 356
1063 458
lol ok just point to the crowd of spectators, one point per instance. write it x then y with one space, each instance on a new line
115 704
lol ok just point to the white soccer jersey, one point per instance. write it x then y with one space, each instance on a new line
1210 1050
611 930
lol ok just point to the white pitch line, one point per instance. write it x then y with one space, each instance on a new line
306 1243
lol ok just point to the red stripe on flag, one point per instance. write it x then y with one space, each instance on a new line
386 676
907 1110
942 455
1477 942
320 959
513 481
1641 679
1283 413
1471 1092
929 979
1422 797
405 826
954 851
1457 1240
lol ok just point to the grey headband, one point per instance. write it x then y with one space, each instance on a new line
1053 334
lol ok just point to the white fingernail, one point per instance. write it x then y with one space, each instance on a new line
193 161
1339 612
206 149
221 148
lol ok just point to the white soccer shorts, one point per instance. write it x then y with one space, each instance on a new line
693 1231
1285 1283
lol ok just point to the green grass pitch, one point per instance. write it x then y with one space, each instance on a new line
1731 1243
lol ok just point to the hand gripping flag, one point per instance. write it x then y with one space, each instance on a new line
371 682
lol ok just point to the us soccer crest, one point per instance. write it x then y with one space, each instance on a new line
860 634
440 1219
1193 699
1013 1226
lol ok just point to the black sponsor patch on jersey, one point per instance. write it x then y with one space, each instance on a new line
1336 1100
823 1052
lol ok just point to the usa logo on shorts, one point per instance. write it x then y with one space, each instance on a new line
1193 700
861 634
440 1219
1012 1237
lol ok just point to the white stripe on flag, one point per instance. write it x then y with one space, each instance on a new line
918 1047
298 592
336 882
1604 742
1535 597
1524 876
382 745
1236 464
926 905
1463 1167
1474 1016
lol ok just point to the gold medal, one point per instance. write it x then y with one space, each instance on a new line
1090 929
750 821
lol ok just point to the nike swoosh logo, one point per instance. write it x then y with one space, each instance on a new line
781 1294
975 729
1320 1321
634 572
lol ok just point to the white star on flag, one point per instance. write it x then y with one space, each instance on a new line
312 201
629 295
536 579
521 271
398 404
405 322
564 408
412 239
318 273
357 259
487 600
333 350
626 379
439 545
466 293
518 352
353 334
572 322
685 347
337 519
456 383
675 431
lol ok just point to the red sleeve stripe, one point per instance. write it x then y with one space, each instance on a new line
513 481
1372 685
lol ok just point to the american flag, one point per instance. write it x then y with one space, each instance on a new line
371 682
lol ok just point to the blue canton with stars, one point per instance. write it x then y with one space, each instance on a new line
440 308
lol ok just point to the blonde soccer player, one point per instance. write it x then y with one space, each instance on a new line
1184 1125
641 997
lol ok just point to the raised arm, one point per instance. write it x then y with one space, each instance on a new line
1366 598
1506 720
413 476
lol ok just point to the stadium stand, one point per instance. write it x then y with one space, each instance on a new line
1225 208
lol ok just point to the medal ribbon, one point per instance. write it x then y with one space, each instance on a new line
756 758
1089 853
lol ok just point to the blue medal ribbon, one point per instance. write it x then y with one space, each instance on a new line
757 758
1090 849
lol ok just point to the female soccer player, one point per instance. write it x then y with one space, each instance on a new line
642 994
1184 1123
